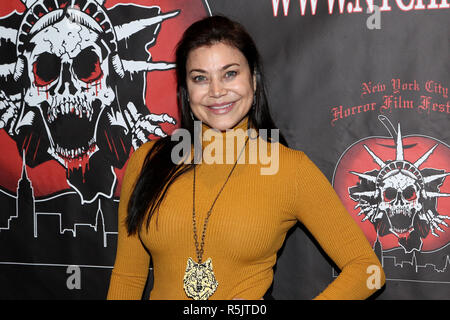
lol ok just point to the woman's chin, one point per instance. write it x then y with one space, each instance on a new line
223 124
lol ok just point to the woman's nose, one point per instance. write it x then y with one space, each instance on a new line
216 88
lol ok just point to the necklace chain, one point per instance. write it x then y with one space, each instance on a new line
200 250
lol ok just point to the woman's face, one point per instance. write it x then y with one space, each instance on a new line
220 85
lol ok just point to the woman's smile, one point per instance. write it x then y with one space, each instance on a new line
222 108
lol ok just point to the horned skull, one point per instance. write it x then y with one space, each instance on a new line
74 101
68 71
400 199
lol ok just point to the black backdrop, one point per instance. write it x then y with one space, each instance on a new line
315 63
319 68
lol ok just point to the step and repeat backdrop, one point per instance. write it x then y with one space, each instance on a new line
361 86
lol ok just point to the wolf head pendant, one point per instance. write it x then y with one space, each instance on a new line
199 280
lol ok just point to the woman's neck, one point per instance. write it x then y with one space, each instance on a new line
216 143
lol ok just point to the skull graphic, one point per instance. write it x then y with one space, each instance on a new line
72 106
400 198
68 72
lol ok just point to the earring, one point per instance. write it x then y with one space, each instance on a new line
192 115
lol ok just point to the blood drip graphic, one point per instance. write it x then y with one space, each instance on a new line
127 67
81 161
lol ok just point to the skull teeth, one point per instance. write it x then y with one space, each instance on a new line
66 108
400 230
406 211
76 152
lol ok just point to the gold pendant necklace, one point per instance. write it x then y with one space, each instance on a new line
199 281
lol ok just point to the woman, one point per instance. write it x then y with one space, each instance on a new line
212 229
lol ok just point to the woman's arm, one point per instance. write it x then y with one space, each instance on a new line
131 267
319 208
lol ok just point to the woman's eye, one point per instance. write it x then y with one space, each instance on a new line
230 74
199 78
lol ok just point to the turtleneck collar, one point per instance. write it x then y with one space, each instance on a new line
216 143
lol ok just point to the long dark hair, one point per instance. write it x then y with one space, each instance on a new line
158 170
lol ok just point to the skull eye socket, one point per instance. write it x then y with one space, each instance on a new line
409 193
87 66
46 69
390 194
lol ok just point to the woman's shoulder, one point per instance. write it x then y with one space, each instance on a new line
290 154
145 148
280 159
138 156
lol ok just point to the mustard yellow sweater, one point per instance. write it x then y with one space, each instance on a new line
247 227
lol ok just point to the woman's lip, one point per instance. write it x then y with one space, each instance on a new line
218 105
221 108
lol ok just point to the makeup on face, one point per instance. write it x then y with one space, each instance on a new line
220 85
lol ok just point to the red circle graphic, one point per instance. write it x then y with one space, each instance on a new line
160 95
357 159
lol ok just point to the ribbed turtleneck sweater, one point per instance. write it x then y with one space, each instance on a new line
247 227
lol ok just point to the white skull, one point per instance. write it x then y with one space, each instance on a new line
401 201
68 72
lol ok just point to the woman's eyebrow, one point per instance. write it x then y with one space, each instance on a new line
197 70
223 68
230 65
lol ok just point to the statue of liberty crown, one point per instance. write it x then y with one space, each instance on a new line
43 13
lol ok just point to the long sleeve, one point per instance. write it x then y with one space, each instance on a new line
132 262
319 208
